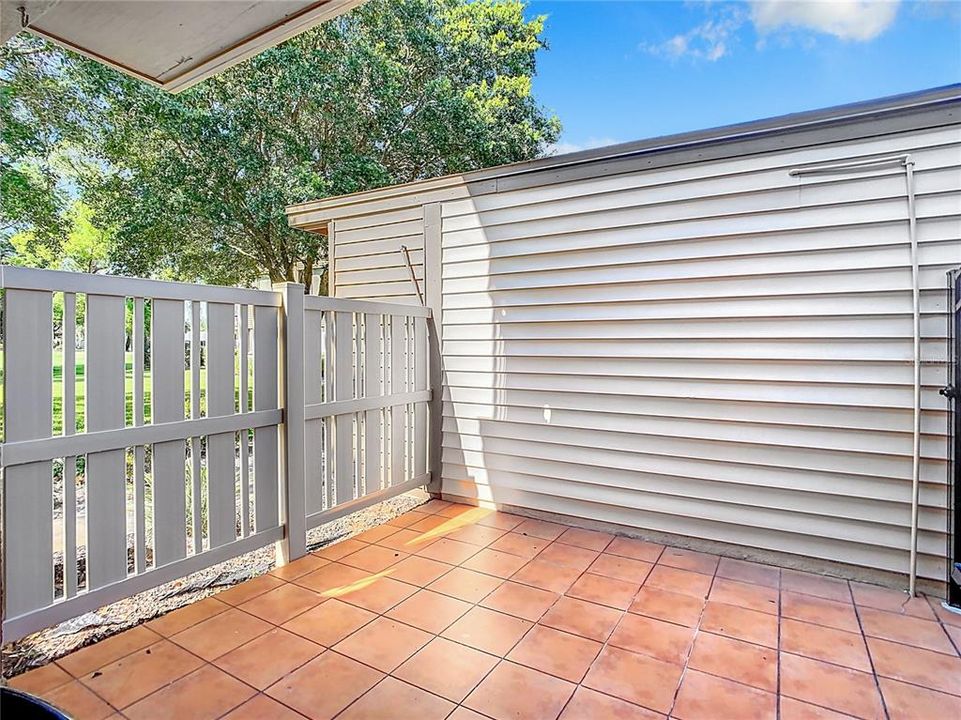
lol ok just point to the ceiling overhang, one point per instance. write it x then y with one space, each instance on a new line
171 44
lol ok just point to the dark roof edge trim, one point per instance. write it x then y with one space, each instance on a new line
905 104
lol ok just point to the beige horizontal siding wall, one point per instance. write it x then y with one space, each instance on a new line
715 349
718 349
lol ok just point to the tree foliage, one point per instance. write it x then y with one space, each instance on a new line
194 185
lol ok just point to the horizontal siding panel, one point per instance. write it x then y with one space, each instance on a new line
379 247
477 417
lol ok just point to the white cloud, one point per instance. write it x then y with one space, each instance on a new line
562 148
846 19
713 39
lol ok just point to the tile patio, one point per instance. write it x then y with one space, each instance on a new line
462 613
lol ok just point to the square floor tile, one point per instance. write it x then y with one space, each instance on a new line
142 672
541 529
435 506
488 630
791 709
635 549
648 636
88 659
299 567
832 686
406 541
749 572
465 585
280 605
392 699
501 520
808 608
824 643
333 579
42 679
479 535
699 562
174 622
746 595
419 571
522 601
495 562
905 629
446 668
604 590
910 702
740 623
330 622
78 701
519 544
429 611
373 558
220 634
383 644
243 592
325 685
931 669
621 568
684 582
376 533
266 659
556 653
449 551
589 539
378 593
706 697
204 694
514 692
591 705
568 556
819 585
546 576
665 605
746 663
335 551
261 707
407 519
896 601
586 619
638 679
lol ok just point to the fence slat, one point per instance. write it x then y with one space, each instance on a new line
139 453
106 493
167 398
196 446
398 413
28 509
221 463
68 376
421 428
266 396
328 366
343 390
373 419
244 406
313 429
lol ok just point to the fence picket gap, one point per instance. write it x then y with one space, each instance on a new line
196 447
68 373
139 454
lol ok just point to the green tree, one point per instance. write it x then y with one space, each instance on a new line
195 185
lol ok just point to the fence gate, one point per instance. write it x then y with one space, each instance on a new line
153 429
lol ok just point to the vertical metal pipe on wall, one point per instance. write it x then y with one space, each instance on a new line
907 163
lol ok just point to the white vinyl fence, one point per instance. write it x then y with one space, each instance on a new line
177 448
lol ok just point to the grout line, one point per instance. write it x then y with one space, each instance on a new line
867 649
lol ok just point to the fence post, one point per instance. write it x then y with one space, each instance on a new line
292 475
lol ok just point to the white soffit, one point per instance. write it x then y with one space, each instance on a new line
172 43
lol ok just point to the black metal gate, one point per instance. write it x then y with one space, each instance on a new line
953 393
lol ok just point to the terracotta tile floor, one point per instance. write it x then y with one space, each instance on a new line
463 613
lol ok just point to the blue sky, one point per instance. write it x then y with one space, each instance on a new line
619 71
